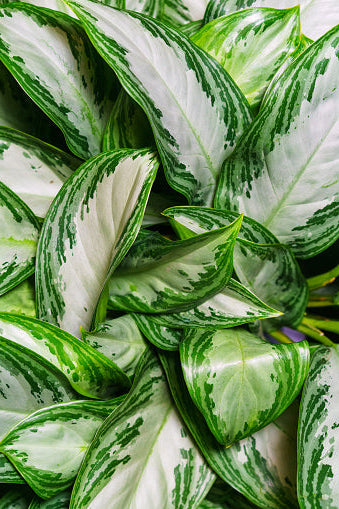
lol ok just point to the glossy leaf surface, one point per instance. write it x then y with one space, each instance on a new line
20 300
87 232
162 337
8 474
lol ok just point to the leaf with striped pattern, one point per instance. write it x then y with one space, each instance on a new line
48 446
174 275
283 172
89 372
266 379
266 267
8 474
162 337
251 45
16 498
192 142
27 383
60 501
316 16
143 444
59 5
127 126
318 438
18 242
191 28
120 340
20 300
152 8
33 170
181 12
262 467
88 230
51 58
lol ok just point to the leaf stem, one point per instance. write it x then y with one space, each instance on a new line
316 334
323 324
280 336
323 279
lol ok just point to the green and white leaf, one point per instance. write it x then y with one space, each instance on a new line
27 383
16 498
181 12
88 230
20 300
18 242
266 379
157 202
56 5
8 474
262 467
33 170
153 8
89 372
143 444
266 267
318 439
47 447
120 340
162 337
60 501
283 171
52 59
143 52
127 126
174 275
223 496
251 45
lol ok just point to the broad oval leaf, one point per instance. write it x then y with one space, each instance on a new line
251 45
89 228
266 379
162 337
262 467
18 242
60 501
143 444
174 275
60 71
89 372
181 12
33 170
120 340
8 474
283 172
48 446
318 439
263 265
316 16
20 300
27 383
143 52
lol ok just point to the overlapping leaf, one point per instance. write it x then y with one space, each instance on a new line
60 501
145 445
265 378
8 474
33 170
283 172
18 497
162 337
168 76
89 228
175 275
89 372
251 45
181 12
52 59
153 8
20 300
18 239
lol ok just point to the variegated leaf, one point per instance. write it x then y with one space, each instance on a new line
262 467
59 5
191 28
155 205
174 275
266 379
318 438
18 497
180 12
263 265
251 45
27 383
8 474
18 242
143 52
127 126
33 170
120 340
283 172
60 501
143 444
222 496
20 300
89 228
60 71
89 372
317 16
162 337
152 8
48 446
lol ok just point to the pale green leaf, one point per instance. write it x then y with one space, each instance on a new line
88 230
192 142
33 170
18 241
283 172
51 58
20 300
265 378
143 445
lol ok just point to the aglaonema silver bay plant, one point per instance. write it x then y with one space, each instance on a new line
168 251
